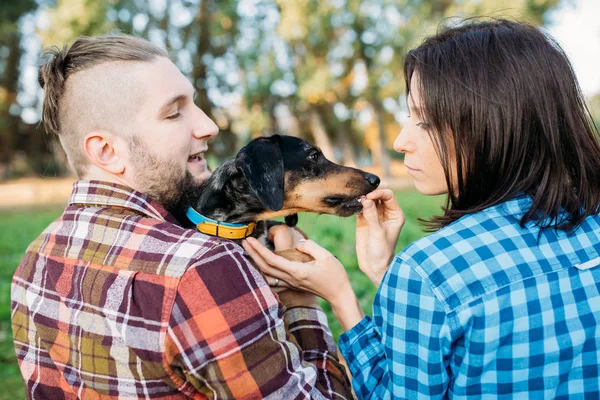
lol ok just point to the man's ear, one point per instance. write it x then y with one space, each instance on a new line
106 150
262 164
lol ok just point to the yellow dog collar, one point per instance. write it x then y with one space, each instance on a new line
217 228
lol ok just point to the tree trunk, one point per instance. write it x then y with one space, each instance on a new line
226 143
319 132
385 158
344 143
9 124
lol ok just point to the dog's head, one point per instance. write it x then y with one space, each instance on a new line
280 176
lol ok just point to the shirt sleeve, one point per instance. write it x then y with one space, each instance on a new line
404 351
229 337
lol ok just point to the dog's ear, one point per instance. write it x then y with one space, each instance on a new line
291 220
261 163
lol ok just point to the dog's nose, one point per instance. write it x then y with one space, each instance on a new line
373 180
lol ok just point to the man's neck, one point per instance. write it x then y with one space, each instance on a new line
95 174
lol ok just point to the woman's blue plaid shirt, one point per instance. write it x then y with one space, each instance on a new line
485 308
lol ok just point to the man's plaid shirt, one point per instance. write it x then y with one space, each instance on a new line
115 300
485 309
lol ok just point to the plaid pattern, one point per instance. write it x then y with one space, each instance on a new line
485 309
114 300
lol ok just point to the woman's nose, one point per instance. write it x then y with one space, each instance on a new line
402 144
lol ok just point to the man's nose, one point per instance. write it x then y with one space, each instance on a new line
205 128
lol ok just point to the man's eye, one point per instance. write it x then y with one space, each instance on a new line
174 116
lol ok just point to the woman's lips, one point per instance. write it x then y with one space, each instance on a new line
410 169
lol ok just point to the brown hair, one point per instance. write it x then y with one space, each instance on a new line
504 95
84 53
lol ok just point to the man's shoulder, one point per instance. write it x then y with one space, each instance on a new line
122 238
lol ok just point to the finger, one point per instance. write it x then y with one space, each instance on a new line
360 220
387 205
299 234
282 237
314 250
383 185
256 257
371 216
258 248
385 195
277 283
263 265
272 259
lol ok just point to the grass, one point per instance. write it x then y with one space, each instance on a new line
20 227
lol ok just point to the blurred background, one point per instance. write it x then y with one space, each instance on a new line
329 71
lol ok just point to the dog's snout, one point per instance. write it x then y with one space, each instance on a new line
373 180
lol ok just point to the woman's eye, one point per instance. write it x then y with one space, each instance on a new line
174 116
423 125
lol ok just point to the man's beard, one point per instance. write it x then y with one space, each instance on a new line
163 180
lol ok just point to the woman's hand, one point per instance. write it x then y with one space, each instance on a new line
377 231
325 277
287 238
284 237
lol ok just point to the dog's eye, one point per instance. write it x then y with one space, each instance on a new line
313 156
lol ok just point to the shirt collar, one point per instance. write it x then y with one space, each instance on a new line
108 194
518 205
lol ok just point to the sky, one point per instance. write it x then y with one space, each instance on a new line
576 27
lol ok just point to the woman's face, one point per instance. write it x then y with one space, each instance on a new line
420 158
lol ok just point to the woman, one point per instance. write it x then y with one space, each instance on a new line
504 298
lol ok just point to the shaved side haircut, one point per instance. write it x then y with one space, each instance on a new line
92 85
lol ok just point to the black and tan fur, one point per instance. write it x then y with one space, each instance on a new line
280 176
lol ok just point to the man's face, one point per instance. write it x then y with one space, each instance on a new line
170 135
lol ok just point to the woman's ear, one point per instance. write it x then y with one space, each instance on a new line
106 151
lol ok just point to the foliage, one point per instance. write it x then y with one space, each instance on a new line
328 70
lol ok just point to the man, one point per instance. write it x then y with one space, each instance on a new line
115 299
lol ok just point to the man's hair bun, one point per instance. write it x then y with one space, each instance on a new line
51 76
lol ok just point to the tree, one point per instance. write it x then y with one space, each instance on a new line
347 56
329 71
10 72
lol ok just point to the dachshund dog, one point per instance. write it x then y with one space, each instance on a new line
276 176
